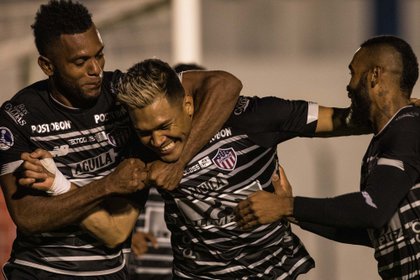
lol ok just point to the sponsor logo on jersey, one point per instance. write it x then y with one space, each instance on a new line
17 112
223 222
202 163
110 116
389 237
224 133
94 164
60 151
82 140
192 169
214 184
6 138
207 214
241 105
50 127
415 227
225 159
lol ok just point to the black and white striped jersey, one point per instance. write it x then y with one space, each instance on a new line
87 144
238 161
397 243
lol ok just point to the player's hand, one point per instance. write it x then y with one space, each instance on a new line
264 207
141 241
34 174
128 177
165 175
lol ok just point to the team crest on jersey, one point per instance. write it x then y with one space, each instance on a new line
225 159
6 138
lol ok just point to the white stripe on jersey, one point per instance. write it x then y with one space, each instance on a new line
69 272
10 167
82 258
69 134
391 162
313 109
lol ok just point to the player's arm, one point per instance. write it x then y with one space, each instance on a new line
386 186
355 236
371 208
338 122
112 222
33 211
215 94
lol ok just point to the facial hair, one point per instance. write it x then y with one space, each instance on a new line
73 93
360 103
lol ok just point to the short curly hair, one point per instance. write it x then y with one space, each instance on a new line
59 17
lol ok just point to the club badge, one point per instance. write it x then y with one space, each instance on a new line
6 138
225 159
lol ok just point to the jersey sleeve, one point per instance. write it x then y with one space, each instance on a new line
355 236
271 120
13 139
393 171
370 208
402 144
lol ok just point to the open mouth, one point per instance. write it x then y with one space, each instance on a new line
167 148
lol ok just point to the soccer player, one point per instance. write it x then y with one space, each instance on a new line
239 160
73 232
385 213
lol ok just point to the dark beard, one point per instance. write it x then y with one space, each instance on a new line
360 104
72 93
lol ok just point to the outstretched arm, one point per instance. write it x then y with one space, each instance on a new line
215 94
355 236
372 208
338 122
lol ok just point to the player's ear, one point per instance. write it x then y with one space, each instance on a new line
374 78
189 105
46 65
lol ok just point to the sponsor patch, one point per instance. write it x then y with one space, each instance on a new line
204 162
60 151
17 113
225 159
6 138
223 133
241 105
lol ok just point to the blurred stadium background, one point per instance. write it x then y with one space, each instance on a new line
292 49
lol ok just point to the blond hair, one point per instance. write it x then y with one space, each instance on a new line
147 81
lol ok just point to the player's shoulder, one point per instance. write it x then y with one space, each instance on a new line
407 119
30 93
401 135
255 104
29 98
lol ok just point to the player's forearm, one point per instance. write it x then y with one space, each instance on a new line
112 226
343 235
214 101
35 213
338 122
349 210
